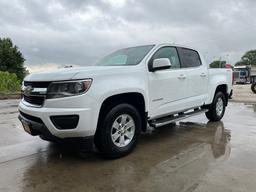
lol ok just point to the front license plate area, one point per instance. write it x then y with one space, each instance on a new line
26 127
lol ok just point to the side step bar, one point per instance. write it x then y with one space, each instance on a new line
173 118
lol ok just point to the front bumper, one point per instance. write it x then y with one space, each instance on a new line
37 127
86 126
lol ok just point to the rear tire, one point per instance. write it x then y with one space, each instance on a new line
118 133
217 108
253 87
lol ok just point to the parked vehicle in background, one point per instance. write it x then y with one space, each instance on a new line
111 103
253 73
242 74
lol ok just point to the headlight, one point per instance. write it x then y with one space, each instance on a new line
68 88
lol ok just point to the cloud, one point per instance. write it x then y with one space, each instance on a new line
80 32
41 68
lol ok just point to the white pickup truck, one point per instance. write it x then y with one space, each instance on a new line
111 103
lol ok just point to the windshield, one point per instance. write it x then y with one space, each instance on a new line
128 56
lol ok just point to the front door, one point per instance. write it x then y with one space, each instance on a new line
167 87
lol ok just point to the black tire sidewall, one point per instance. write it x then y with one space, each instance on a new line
107 145
253 87
213 107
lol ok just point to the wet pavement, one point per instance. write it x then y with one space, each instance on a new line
192 155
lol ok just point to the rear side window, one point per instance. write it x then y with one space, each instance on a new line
170 53
189 58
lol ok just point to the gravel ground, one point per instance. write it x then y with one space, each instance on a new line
243 94
191 155
9 96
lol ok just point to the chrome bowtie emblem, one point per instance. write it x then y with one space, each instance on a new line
27 90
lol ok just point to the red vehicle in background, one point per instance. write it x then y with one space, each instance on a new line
228 66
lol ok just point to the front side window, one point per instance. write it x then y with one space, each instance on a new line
170 53
128 56
189 58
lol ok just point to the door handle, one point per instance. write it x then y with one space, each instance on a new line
203 75
181 76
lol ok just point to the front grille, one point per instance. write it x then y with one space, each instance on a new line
35 92
37 84
35 100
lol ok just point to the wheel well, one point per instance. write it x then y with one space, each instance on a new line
134 99
224 89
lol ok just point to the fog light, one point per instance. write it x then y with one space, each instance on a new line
65 121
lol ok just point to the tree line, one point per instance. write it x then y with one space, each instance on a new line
12 70
11 59
249 58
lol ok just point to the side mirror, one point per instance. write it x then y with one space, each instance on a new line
162 63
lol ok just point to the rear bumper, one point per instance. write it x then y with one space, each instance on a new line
38 128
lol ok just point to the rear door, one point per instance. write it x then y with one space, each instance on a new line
197 75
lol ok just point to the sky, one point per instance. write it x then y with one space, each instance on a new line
55 33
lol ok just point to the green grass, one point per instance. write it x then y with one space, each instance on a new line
9 83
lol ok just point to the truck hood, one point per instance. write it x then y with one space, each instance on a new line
74 73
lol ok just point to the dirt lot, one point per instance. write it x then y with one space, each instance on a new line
243 93
193 155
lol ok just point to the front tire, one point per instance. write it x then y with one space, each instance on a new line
217 108
119 131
